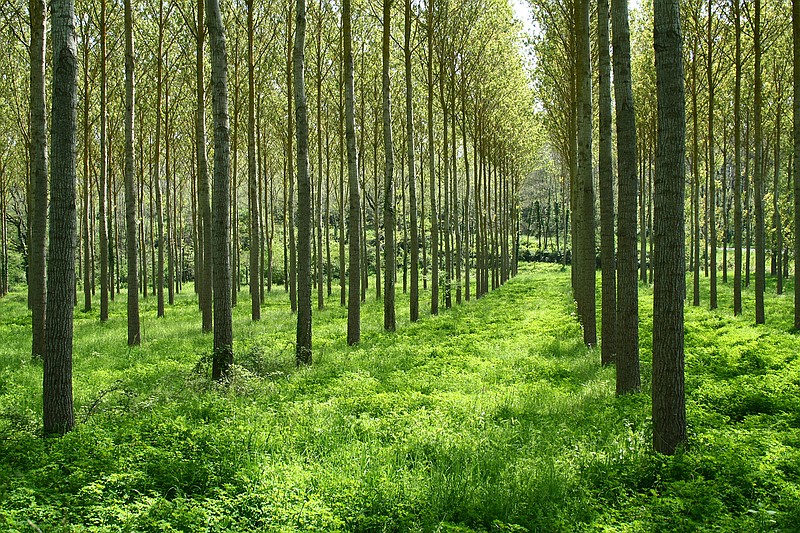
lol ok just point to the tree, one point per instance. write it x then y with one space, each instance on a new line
252 173
354 217
432 167
206 277
606 179
796 139
389 221
584 222
134 336
669 283
627 352
303 347
758 171
103 186
223 323
58 412
737 157
38 171
412 187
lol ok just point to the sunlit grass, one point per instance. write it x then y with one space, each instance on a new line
490 416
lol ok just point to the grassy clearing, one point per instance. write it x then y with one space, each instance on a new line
491 416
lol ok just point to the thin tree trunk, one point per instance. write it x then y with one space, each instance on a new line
252 176
103 188
432 169
389 222
758 172
712 170
134 335
354 298
737 157
206 279
87 188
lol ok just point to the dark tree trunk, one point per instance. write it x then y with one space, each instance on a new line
606 179
712 170
38 170
58 412
758 172
354 230
223 326
737 158
134 336
103 188
252 175
796 158
669 410
87 187
627 352
584 222
303 347
389 222
432 169
203 193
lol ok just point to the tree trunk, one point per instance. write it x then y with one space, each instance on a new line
58 412
87 187
585 228
134 336
796 158
303 350
737 158
758 172
252 175
606 179
669 411
432 170
354 231
712 171
38 168
223 326
389 222
203 193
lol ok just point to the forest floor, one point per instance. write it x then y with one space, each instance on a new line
492 416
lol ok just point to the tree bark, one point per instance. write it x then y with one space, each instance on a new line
205 294
606 179
796 158
252 175
585 227
223 326
669 410
758 171
303 347
58 411
627 352
389 222
354 230
737 164
134 335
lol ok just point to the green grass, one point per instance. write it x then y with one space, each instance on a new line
489 417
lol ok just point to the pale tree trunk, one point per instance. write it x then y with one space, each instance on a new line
669 285
223 324
157 164
389 222
134 336
252 174
412 180
354 231
712 177
627 351
58 411
606 184
303 347
38 182
87 187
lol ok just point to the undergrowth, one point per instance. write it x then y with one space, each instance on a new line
491 416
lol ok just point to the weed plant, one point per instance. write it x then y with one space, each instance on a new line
492 416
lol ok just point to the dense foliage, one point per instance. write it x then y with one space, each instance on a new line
493 417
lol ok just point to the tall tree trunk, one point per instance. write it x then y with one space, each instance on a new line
796 158
203 193
320 224
223 326
712 170
303 350
290 168
389 222
777 219
758 171
737 163
627 352
606 179
432 169
134 336
87 187
157 164
584 222
38 182
58 412
354 231
103 188
252 175
669 410
695 185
